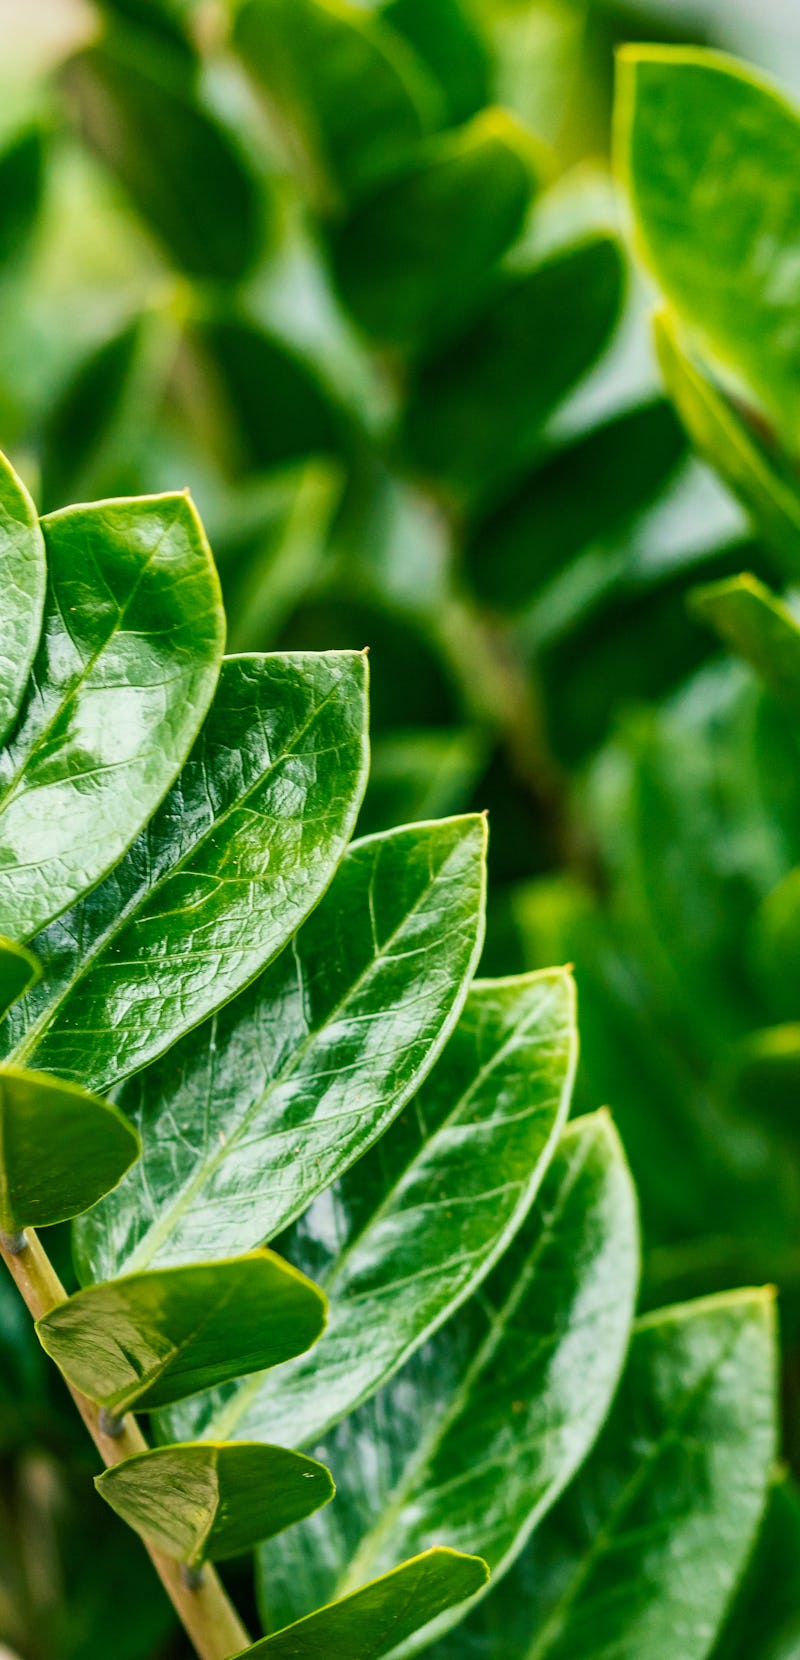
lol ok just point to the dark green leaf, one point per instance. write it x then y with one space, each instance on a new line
298 418
23 575
755 623
205 1503
308 1067
775 946
60 1150
154 1338
21 178
764 1623
238 854
18 972
421 773
449 40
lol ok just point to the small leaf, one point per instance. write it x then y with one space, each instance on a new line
23 575
310 1065
127 667
238 854
19 970
414 259
755 623
206 1503
154 1338
60 1150
374 1620
299 418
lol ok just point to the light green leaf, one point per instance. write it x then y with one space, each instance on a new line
414 259
472 1444
23 575
129 660
206 1503
19 970
60 1150
236 857
760 628
154 1338
310 1065
710 154
374 1620
423 1218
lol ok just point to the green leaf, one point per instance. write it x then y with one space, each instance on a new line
181 169
539 331
351 87
117 695
154 1338
374 1620
23 574
454 48
748 459
760 628
19 970
21 177
60 1150
644 1552
775 945
764 1623
316 1058
473 1443
422 773
206 1503
424 1217
298 419
710 154
414 259
236 857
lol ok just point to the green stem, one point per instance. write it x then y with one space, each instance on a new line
203 1608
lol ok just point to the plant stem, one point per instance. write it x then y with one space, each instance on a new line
203 1608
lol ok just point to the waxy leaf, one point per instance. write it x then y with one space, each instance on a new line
374 1620
472 1444
23 576
419 1222
60 1150
235 858
206 1503
127 667
304 1070
710 154
18 971
760 628
415 257
152 1339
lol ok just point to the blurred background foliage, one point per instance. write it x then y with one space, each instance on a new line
353 273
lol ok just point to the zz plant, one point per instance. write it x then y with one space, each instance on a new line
228 1024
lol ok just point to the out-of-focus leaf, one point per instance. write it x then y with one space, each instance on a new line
760 628
60 1150
183 172
236 857
473 1443
476 411
130 655
21 179
353 89
710 155
775 946
764 1623
763 1075
418 1224
315 1059
24 577
152 1339
266 584
421 774
19 970
205 1503
456 50
374 1620
414 259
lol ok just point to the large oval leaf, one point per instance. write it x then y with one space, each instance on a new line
473 1444
151 1339
23 576
258 1111
60 1150
421 1220
221 878
126 670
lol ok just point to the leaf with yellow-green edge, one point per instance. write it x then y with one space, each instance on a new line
204 1503
151 1339
414 258
374 1620
305 1070
709 152
759 627
60 1150
19 970
24 575
127 667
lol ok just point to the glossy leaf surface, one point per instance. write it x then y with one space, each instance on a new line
414 1227
374 1620
18 971
60 1150
154 1338
206 1503
307 1068
760 628
23 576
235 858
129 659
476 1440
